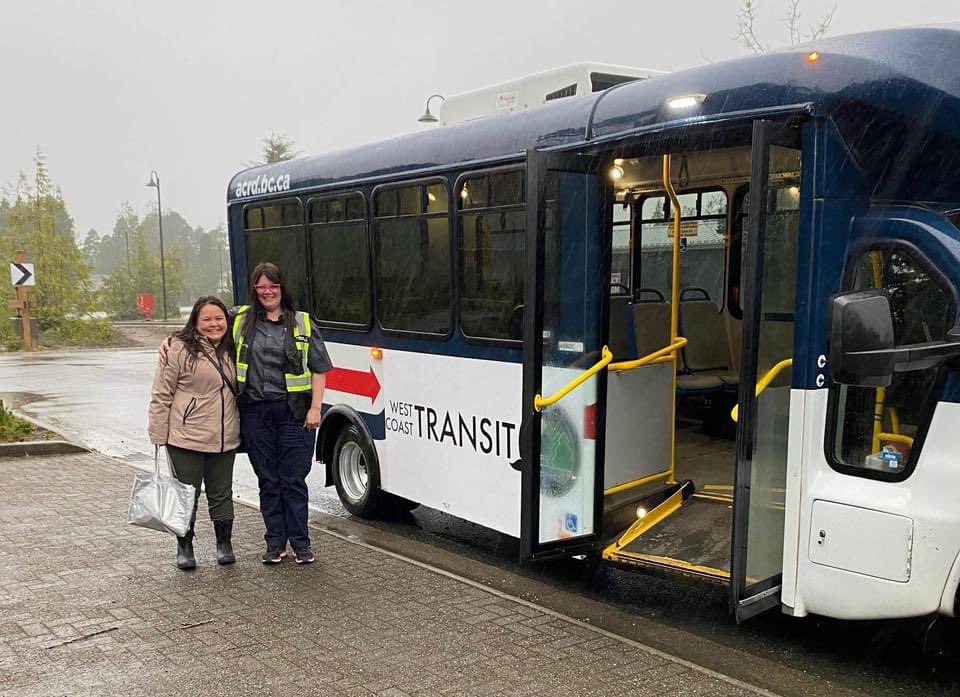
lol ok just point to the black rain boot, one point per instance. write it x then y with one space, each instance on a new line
185 558
224 530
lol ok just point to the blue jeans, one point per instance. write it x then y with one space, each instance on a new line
281 452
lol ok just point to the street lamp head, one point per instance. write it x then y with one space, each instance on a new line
154 180
427 116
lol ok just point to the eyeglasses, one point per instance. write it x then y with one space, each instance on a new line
267 289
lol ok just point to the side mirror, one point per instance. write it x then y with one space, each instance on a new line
861 338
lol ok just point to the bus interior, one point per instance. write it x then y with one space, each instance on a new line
670 444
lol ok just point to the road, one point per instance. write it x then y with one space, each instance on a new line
99 399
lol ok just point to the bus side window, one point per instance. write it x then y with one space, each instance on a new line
340 260
412 244
703 244
491 227
878 432
274 232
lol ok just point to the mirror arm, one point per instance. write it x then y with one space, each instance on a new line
912 357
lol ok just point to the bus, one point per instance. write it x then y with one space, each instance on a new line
701 324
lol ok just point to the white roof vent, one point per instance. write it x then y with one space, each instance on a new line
533 90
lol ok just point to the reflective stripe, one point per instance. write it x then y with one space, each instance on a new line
301 382
238 339
296 382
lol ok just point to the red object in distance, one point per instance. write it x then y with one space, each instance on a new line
145 304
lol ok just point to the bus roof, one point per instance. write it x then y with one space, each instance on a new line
907 71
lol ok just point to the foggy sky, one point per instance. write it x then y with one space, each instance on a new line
113 90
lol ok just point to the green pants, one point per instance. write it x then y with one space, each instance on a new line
214 470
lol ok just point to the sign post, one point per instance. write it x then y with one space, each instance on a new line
21 275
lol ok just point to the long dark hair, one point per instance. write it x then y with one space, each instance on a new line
191 337
273 274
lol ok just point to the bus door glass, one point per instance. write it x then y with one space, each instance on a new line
768 282
564 357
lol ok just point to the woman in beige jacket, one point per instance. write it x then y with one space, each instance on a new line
193 412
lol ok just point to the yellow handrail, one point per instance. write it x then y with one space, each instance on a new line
649 358
765 382
896 438
540 402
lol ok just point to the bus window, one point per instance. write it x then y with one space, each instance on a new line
340 260
620 262
274 232
881 430
783 212
704 230
491 224
412 245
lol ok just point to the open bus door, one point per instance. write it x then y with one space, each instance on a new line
769 274
566 298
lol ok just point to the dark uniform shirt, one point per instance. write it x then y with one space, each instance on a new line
268 360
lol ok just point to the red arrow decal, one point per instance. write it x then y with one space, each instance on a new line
354 382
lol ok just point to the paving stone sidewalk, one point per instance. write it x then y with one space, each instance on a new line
92 606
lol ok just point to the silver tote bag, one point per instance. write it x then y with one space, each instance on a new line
161 502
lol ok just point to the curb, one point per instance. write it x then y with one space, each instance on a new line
40 447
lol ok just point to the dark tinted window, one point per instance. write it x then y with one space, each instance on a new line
274 232
413 259
340 261
491 256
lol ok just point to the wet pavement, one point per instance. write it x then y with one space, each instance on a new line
99 399
92 606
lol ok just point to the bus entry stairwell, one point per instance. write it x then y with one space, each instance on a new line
682 525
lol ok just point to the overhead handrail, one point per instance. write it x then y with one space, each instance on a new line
764 382
649 358
539 403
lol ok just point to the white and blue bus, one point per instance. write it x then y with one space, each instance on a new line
704 323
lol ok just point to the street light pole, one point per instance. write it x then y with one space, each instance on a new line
155 182
220 287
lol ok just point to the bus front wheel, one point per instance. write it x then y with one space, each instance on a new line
355 474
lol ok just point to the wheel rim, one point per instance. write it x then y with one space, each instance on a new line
353 471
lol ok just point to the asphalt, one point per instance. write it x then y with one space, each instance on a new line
92 606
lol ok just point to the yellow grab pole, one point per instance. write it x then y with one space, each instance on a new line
674 313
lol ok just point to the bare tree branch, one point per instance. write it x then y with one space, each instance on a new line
746 19
749 10
793 21
818 30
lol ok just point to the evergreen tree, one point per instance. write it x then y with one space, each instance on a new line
37 222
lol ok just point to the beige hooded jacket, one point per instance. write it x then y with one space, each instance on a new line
190 406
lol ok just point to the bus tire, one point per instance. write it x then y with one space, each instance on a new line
356 474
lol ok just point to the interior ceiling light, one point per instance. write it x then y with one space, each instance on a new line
686 101
616 172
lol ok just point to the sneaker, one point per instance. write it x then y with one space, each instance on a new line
273 555
303 556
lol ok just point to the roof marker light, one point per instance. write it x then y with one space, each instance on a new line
686 101
813 57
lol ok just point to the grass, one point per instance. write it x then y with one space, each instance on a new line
13 429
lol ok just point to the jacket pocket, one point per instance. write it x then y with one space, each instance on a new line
189 409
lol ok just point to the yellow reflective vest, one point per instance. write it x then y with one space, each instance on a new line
295 382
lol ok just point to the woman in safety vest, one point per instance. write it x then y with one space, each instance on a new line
280 360
194 414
